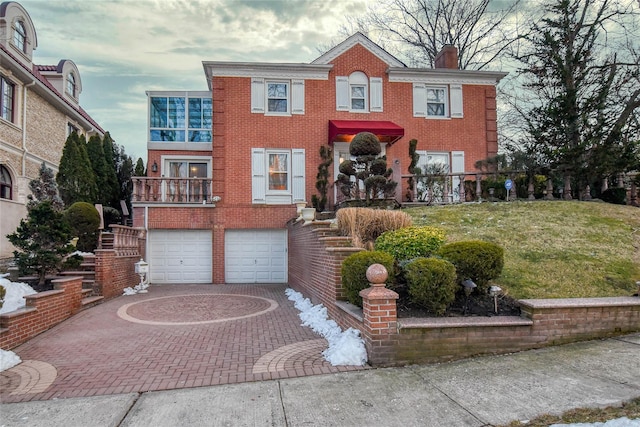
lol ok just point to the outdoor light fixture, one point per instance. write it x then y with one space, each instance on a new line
494 291
468 286
154 167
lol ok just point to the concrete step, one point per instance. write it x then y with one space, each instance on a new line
91 301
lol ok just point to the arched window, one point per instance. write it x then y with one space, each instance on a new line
358 91
6 186
20 36
71 85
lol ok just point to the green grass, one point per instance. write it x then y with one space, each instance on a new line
553 249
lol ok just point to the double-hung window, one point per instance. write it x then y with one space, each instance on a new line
277 97
277 176
437 101
358 93
6 99
71 85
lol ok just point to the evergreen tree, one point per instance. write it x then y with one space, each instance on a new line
75 178
43 239
100 170
124 171
139 170
45 188
111 178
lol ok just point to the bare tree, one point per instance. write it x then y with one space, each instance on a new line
581 71
420 28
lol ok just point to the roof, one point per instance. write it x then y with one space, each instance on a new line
35 73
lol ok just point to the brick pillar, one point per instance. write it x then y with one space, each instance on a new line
380 317
105 259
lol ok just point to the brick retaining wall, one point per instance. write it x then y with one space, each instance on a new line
41 312
315 259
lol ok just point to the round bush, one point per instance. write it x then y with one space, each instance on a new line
432 283
84 220
365 144
410 242
354 272
617 196
475 259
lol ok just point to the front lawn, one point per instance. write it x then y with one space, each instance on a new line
553 249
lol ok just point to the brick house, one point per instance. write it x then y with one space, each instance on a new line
39 107
227 166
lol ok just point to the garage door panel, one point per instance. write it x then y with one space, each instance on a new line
256 256
180 256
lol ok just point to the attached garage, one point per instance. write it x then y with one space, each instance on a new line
255 256
180 256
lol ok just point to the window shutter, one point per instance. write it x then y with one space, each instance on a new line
419 100
375 104
257 95
297 96
258 175
342 94
455 93
298 175
457 166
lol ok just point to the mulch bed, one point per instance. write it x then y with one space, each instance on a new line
476 305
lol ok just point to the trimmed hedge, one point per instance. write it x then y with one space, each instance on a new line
474 259
432 283
410 242
354 272
84 220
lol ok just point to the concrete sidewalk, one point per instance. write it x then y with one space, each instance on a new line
475 392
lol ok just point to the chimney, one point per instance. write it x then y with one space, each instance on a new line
447 57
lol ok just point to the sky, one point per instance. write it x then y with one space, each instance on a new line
123 48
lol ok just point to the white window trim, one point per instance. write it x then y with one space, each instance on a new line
446 114
266 97
453 101
168 158
260 192
373 101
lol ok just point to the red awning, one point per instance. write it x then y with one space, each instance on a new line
344 130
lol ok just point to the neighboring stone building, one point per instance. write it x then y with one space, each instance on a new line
39 107
253 141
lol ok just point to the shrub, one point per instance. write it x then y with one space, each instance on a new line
354 272
410 242
474 259
364 225
615 195
111 216
84 220
432 283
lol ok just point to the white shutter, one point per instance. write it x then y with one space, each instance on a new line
342 94
258 175
257 95
298 175
375 104
297 96
455 93
457 166
419 100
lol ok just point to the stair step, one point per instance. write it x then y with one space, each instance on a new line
91 301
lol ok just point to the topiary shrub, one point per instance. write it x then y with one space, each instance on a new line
354 273
474 259
431 283
410 242
84 220
111 216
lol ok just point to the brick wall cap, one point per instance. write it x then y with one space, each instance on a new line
462 322
378 293
580 302
67 279
44 294
344 249
17 313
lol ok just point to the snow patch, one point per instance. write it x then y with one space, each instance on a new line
8 360
16 291
345 348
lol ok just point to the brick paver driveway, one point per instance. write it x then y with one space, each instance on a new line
175 336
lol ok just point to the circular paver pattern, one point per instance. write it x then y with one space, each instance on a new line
195 309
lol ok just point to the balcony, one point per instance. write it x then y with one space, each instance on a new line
172 190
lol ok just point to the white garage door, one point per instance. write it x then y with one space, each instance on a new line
180 256
255 256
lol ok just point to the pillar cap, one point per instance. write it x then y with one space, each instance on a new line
377 274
